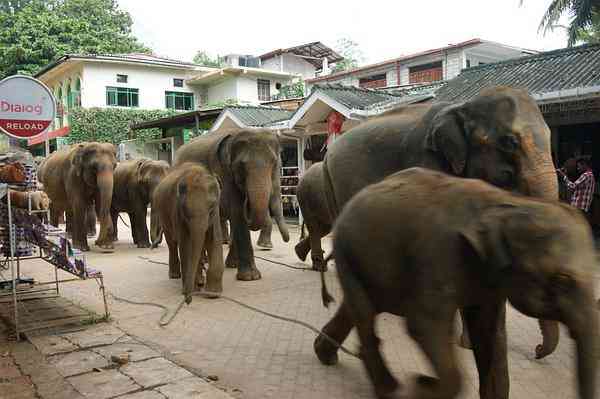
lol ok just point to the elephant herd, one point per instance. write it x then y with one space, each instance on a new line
434 208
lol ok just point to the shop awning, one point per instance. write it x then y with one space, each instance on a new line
63 131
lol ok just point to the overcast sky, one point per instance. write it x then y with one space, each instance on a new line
383 29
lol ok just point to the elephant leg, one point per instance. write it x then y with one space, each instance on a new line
115 219
432 329
363 317
90 217
190 258
487 329
214 248
550 335
247 270
68 215
464 341
55 213
141 228
232 256
264 239
316 252
303 248
174 265
76 218
132 221
338 329
225 231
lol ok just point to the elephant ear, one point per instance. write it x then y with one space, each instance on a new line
487 240
79 152
140 169
447 136
220 159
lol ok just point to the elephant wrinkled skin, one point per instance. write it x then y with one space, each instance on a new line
422 244
499 136
187 203
246 162
135 182
77 178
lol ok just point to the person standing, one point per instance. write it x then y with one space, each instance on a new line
582 188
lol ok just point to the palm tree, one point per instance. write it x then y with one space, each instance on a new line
580 11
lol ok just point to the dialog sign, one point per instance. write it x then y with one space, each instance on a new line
27 107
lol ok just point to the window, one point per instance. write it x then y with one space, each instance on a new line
179 101
249 61
468 63
121 78
264 89
178 82
122 96
373 81
426 73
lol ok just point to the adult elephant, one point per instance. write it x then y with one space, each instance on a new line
499 136
135 182
247 164
77 177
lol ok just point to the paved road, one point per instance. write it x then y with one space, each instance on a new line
261 357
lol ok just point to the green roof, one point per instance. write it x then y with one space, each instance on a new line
258 116
553 71
355 97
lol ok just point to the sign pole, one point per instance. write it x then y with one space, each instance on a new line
47 142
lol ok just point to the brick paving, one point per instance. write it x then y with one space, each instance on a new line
13 383
254 356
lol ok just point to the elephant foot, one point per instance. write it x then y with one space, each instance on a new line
319 265
266 244
301 252
230 262
81 246
143 245
211 294
326 352
248 275
174 275
105 246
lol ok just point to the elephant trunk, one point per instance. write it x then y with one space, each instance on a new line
540 180
256 206
584 330
104 181
193 247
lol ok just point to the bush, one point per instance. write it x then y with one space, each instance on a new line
112 124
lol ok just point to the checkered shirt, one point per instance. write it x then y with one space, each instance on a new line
583 190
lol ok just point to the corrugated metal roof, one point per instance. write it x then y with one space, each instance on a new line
416 89
354 97
552 71
259 116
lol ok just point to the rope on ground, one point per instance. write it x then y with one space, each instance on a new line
162 322
282 264
153 261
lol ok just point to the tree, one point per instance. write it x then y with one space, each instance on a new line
202 58
591 35
44 30
353 55
12 6
581 14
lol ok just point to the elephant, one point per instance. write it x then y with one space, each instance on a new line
135 182
75 178
246 162
422 244
499 136
36 200
187 204
317 216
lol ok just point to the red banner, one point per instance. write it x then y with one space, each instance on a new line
23 128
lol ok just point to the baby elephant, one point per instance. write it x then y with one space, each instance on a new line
187 200
422 244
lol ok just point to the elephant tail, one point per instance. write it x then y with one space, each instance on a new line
329 191
325 296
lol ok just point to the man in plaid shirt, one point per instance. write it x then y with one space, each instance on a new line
583 187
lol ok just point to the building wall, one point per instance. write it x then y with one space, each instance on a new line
291 64
228 89
453 63
152 82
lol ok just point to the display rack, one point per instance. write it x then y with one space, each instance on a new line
289 182
23 228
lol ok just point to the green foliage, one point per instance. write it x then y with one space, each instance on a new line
353 55
294 90
220 104
581 15
591 34
202 58
41 31
112 124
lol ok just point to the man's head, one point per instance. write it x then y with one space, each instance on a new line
582 165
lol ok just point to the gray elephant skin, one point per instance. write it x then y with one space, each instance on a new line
311 194
187 202
135 183
499 136
246 162
77 178
422 244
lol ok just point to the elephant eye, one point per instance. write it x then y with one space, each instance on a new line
508 143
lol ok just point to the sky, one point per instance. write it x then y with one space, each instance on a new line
383 29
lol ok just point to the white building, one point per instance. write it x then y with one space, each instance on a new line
424 67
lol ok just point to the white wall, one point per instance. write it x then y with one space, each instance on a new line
453 63
225 90
151 81
291 64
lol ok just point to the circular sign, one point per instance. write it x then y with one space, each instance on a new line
27 107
